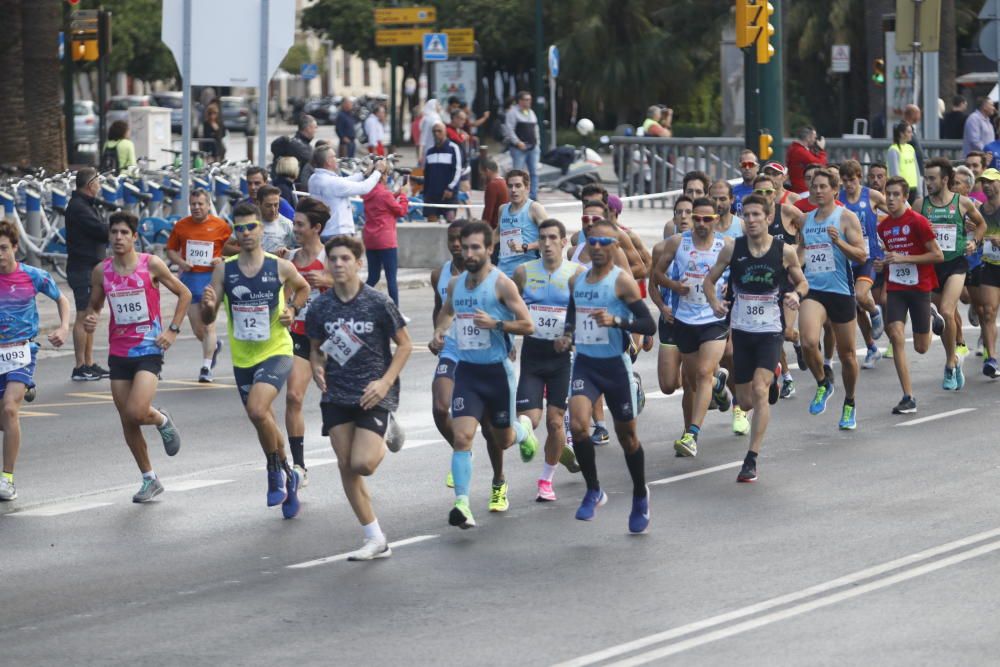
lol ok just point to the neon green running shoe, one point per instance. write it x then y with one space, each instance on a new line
686 445
498 498
888 352
461 515
449 481
741 425
529 445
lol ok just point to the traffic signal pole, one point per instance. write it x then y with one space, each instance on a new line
758 34
772 86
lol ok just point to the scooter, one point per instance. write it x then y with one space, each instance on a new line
566 168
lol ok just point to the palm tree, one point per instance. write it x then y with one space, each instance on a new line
13 129
41 23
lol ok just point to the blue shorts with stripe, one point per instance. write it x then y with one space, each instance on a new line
610 376
485 390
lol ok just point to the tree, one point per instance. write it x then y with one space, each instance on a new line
136 46
41 23
14 148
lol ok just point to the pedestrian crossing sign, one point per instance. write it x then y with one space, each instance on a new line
435 46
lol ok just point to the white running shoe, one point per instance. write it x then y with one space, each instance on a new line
7 489
303 476
371 550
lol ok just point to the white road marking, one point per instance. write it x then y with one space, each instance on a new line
941 415
413 444
819 589
192 484
60 509
697 473
341 557
315 463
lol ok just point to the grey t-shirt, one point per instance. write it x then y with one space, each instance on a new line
278 234
373 319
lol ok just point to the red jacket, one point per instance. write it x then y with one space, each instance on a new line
796 158
382 208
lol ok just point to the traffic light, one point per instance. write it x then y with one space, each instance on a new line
744 33
764 148
879 76
765 31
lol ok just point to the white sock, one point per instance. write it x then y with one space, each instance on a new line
149 475
164 422
787 376
207 363
373 531
548 472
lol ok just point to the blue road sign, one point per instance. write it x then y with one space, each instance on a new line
309 71
553 61
435 46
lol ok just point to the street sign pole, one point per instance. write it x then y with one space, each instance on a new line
67 63
186 126
553 73
265 75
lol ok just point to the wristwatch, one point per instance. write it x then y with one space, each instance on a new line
524 247
173 327
499 325
618 322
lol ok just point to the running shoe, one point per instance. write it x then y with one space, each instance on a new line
529 445
937 322
748 473
878 323
787 388
395 436
275 488
205 375
370 550
461 515
848 418
100 371
169 434
303 476
888 352
973 316
568 459
545 492
871 357
979 347
29 394
959 376
7 489
991 369
84 374
647 343
741 425
962 350
498 498
638 518
215 355
774 390
150 489
712 405
950 382
600 436
799 359
290 507
449 480
906 406
823 394
591 501
686 445
719 392
639 393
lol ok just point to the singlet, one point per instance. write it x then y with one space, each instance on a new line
513 231
777 228
450 349
757 284
477 345
580 245
866 216
254 304
735 228
547 297
135 310
691 265
991 250
948 224
826 267
593 340
318 264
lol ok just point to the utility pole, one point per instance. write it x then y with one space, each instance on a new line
67 58
539 90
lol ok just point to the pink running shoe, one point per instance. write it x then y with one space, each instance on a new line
545 492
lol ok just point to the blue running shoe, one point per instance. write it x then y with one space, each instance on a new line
275 492
848 418
638 519
600 436
878 323
290 508
591 501
950 382
823 394
959 376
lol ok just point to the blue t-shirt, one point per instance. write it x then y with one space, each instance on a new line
993 148
18 312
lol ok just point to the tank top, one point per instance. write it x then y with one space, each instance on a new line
135 310
450 349
735 229
948 224
547 297
777 228
866 216
477 345
514 230
991 250
591 339
254 304
318 264
580 245
826 268
691 265
757 283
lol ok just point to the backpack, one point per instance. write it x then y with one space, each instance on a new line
109 158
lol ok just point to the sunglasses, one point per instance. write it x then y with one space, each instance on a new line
591 219
602 241
246 227
764 191
705 218
748 165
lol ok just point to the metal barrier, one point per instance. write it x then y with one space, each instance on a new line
655 164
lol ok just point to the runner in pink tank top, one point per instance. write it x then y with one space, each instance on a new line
134 300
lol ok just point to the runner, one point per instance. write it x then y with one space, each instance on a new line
695 184
831 237
486 306
762 267
311 216
360 391
545 372
947 212
196 244
668 361
253 286
136 340
518 227
605 304
910 250
19 283
990 288
699 334
964 182
878 174
778 172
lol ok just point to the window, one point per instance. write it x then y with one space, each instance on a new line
367 78
347 69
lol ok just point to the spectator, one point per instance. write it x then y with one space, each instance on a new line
992 149
86 244
965 183
119 151
520 130
902 157
911 114
307 171
458 135
430 117
382 210
256 179
454 104
375 131
442 172
496 194
978 127
954 121
286 170
213 132
278 236
667 120
806 148
334 190
344 127
651 127
748 170
297 146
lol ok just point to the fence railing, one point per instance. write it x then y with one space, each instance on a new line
654 164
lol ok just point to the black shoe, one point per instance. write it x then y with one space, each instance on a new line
774 390
907 406
828 372
937 322
719 392
100 372
600 436
799 359
748 473
29 394
215 355
84 374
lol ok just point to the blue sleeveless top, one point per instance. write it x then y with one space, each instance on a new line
450 349
515 229
593 340
476 345
827 268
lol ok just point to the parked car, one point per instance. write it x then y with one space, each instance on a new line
238 115
118 106
86 123
174 101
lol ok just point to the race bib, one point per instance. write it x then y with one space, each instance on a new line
549 321
129 306
342 345
819 258
588 331
471 336
199 253
696 288
991 250
510 242
14 356
251 323
756 313
946 236
904 274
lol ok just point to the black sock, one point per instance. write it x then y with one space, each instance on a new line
298 450
849 401
272 462
636 462
584 448
751 456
